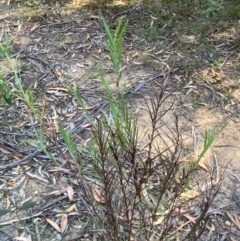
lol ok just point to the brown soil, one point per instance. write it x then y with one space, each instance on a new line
64 48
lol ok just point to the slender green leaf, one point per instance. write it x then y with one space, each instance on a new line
20 186
209 138
107 30
32 143
68 141
5 211
28 205
8 98
78 97
106 87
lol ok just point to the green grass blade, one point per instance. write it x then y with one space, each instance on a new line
77 95
108 32
66 135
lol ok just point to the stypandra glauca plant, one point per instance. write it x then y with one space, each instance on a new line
115 44
25 95
139 192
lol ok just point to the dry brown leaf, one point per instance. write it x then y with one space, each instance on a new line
190 87
53 90
211 231
187 216
17 168
8 203
86 125
190 194
189 91
3 150
59 169
21 194
151 24
34 27
59 215
97 57
173 42
89 47
58 73
230 216
56 125
159 220
12 184
135 55
57 93
235 176
70 193
61 191
71 208
80 65
18 159
54 225
70 116
184 159
96 195
22 239
64 222
124 218
237 222
33 175
136 110
68 190
203 165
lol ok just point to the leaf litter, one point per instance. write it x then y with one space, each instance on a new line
69 52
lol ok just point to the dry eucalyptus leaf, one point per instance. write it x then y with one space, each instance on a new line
190 194
96 195
237 221
71 208
22 239
54 225
187 215
69 191
64 222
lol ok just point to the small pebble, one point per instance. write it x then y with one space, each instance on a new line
228 223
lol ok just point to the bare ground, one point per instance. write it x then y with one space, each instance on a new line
63 48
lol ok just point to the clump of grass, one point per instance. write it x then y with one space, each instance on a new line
5 92
212 8
235 11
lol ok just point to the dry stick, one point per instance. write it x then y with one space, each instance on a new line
6 234
102 105
41 208
22 161
38 237
38 152
203 215
218 210
225 60
34 59
38 212
17 220
124 12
